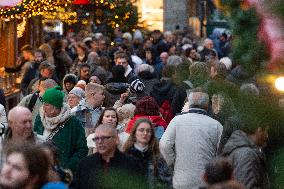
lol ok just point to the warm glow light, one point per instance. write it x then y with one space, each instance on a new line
279 84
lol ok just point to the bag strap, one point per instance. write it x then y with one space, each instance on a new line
33 101
56 130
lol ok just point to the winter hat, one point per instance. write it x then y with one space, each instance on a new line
127 36
54 96
78 92
137 35
55 185
227 61
136 86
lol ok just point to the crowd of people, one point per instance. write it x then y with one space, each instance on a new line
145 111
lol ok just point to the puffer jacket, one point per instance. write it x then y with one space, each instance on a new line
114 91
248 161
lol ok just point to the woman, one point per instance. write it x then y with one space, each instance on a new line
109 116
82 57
143 146
75 96
147 107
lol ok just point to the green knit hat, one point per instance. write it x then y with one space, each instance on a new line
54 96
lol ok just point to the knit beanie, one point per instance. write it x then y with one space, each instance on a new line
54 96
78 92
136 86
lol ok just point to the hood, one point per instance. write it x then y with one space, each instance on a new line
163 87
117 88
238 139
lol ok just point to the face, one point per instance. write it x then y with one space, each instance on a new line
95 99
22 127
50 110
262 136
143 133
164 57
172 50
85 73
106 141
102 45
209 45
148 55
73 100
148 44
95 45
69 86
110 118
15 173
95 79
26 55
38 57
80 51
46 73
121 61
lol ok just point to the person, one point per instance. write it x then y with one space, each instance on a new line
84 72
164 57
191 141
147 77
26 167
244 149
55 123
109 116
3 120
89 109
69 81
107 165
82 56
143 146
154 61
33 101
147 107
208 47
121 58
75 96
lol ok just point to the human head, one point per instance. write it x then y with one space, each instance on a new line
81 49
53 101
106 139
169 37
227 62
125 113
95 79
20 122
198 100
27 52
74 96
45 84
109 117
249 89
46 69
94 94
120 58
39 55
102 44
69 81
218 71
208 44
164 57
142 132
145 68
171 49
147 105
218 170
51 151
118 72
26 167
84 72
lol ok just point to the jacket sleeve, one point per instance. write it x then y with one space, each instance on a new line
80 146
167 143
246 168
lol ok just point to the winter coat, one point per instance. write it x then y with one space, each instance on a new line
149 80
88 116
62 61
114 89
70 140
190 142
166 90
248 161
31 73
154 168
93 172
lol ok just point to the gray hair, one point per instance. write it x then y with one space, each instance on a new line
49 83
107 127
145 68
250 89
198 100
17 111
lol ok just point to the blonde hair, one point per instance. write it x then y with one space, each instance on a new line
94 87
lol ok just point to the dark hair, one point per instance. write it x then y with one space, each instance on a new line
82 46
84 65
27 48
118 71
102 115
35 158
50 145
42 53
147 105
218 170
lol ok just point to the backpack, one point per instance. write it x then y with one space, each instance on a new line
33 101
166 111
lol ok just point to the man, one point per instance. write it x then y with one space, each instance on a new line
190 141
36 58
121 58
164 57
56 124
19 130
84 72
26 168
208 50
106 167
90 109
33 101
244 149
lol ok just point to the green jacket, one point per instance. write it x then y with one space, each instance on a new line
70 141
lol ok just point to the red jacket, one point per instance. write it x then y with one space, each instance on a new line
156 120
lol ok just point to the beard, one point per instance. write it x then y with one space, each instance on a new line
19 185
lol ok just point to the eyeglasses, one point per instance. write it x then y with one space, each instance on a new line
142 130
102 138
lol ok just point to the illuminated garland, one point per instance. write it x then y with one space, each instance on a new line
61 14
21 28
29 8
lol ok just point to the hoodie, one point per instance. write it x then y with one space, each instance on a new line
248 161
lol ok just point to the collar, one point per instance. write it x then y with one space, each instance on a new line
128 70
141 149
197 111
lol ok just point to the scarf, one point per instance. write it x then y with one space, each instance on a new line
50 123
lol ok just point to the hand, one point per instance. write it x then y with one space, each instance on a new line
124 96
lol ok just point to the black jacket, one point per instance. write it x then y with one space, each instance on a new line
248 161
93 172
